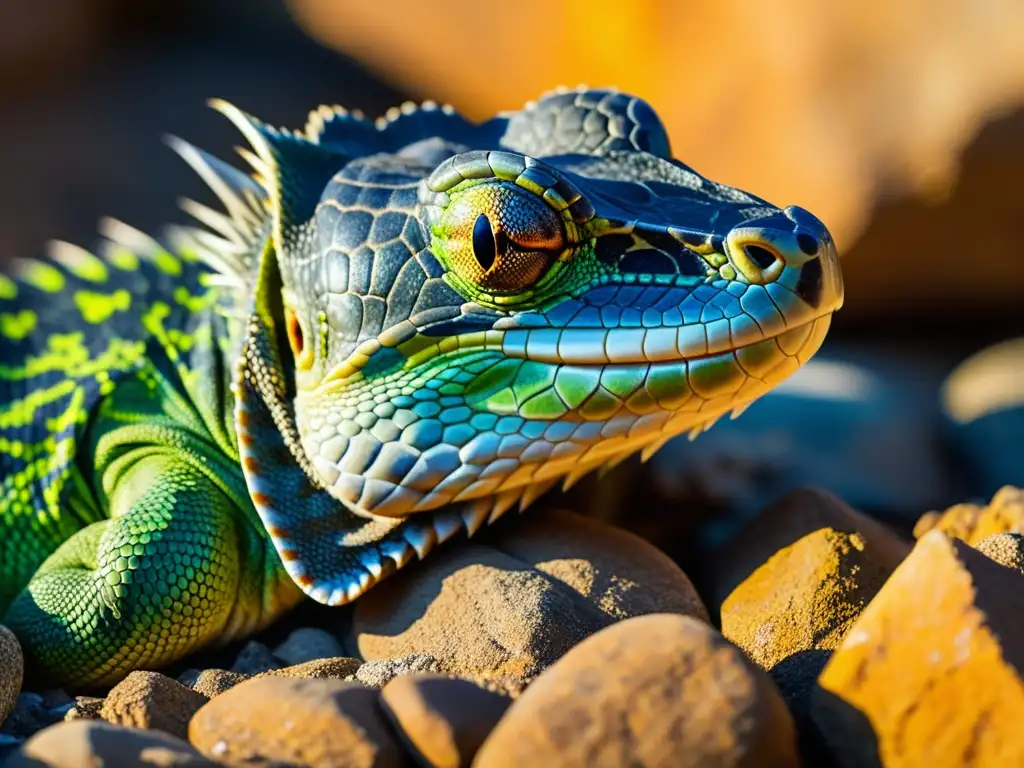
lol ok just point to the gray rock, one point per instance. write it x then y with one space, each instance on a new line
254 658
308 644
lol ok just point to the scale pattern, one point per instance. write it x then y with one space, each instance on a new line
394 332
71 326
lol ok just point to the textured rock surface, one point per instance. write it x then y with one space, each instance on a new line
150 700
91 744
931 673
213 682
974 522
377 674
477 611
308 644
1005 548
789 587
320 669
279 720
657 690
442 720
12 667
619 572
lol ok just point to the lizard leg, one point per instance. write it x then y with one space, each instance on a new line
176 567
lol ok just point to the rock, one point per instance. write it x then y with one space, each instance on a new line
791 584
213 682
379 673
983 401
973 522
619 572
308 644
254 658
657 690
150 700
28 716
12 668
89 744
279 720
477 611
931 672
321 669
442 720
85 708
1005 548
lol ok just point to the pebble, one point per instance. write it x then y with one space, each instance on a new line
85 708
308 644
931 672
213 682
661 690
442 720
279 720
1005 548
151 700
974 522
254 658
477 611
12 668
92 744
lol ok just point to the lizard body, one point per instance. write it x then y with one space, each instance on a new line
393 333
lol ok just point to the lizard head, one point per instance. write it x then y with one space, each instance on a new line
472 312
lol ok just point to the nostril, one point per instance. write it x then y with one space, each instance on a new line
808 244
760 256
809 286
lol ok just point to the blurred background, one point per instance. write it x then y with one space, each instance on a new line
901 125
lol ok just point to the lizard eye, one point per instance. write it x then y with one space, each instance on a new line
297 340
501 237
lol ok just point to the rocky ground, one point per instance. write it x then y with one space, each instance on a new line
798 631
820 637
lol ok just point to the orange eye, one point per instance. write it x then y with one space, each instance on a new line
500 237
297 340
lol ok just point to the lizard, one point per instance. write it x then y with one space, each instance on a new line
385 334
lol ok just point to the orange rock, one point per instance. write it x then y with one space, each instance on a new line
150 700
88 743
286 721
930 674
443 720
791 584
660 690
972 522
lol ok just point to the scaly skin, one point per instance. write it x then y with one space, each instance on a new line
394 333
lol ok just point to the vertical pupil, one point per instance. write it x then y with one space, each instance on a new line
484 246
